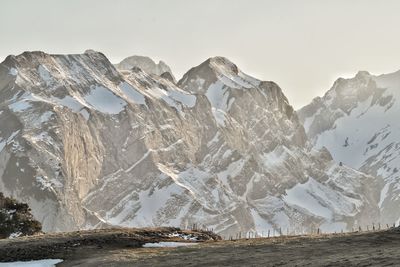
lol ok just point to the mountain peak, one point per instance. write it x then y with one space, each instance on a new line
362 74
211 68
146 64
223 65
32 57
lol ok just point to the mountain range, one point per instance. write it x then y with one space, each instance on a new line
357 121
89 144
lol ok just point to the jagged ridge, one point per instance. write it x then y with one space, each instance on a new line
87 145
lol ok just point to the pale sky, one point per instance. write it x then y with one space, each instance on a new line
303 45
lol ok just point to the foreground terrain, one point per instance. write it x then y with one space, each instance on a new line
122 248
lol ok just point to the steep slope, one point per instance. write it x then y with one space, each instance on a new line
357 121
146 64
87 146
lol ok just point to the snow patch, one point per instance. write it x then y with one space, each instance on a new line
184 236
37 263
13 72
302 195
132 94
45 74
384 194
168 245
69 102
186 99
103 100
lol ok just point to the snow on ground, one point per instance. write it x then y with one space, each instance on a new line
152 202
320 200
19 106
261 225
45 74
16 234
69 102
173 97
353 139
183 236
104 100
384 194
37 263
219 97
304 196
186 99
132 94
167 245
2 144
13 72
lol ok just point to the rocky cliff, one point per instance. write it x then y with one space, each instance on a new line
88 145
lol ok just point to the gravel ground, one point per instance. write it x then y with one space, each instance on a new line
357 249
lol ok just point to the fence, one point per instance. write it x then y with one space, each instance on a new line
279 232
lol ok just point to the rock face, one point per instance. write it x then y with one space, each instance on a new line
87 146
358 122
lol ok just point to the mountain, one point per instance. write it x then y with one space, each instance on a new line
88 146
147 65
357 121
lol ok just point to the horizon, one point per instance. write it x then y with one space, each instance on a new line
302 46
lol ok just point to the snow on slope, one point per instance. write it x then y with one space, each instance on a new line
357 121
88 145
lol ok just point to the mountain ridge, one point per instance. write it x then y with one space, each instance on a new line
219 148
356 121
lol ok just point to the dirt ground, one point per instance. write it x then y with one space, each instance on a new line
358 249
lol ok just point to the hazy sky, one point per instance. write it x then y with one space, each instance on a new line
302 45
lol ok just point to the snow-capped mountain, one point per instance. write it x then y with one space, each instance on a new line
358 122
87 145
147 65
